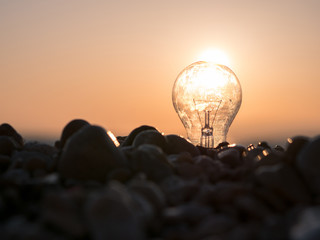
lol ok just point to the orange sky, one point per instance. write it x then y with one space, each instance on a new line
114 63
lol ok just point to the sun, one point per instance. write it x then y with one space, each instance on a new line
215 56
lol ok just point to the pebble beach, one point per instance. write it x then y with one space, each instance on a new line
147 185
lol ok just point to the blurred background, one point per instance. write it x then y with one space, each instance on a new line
113 63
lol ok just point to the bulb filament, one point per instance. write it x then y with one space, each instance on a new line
207 111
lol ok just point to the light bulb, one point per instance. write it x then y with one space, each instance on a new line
207 97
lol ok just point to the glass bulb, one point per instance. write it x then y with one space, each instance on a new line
207 97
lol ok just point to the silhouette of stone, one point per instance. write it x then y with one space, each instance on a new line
178 190
7 145
40 148
177 144
32 161
130 138
308 164
72 127
191 213
7 130
111 215
231 157
60 212
150 191
212 168
150 137
151 160
307 225
4 163
188 170
269 157
283 181
213 226
89 155
295 145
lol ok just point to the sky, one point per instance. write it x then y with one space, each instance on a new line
113 63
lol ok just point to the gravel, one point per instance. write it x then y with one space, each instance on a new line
155 186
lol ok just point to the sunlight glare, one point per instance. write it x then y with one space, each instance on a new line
215 56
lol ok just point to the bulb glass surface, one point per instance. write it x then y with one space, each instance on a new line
207 97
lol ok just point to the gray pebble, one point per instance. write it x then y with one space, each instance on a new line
308 164
150 137
177 144
130 138
89 155
283 180
151 160
231 157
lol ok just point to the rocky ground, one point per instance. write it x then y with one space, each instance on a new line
156 186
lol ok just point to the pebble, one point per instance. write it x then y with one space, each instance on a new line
130 138
4 163
150 191
307 225
7 130
295 145
230 157
151 160
284 182
150 137
32 161
177 144
7 145
89 155
72 127
308 164
111 216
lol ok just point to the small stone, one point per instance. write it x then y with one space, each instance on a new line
308 164
4 163
213 226
111 215
40 148
190 213
251 207
244 231
269 157
230 157
282 180
178 190
188 170
7 145
61 212
295 145
279 148
181 157
150 191
222 145
270 198
307 226
150 137
212 168
16 176
177 144
274 227
264 145
119 174
8 130
31 161
130 138
223 192
72 127
151 160
89 155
